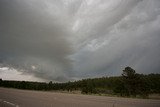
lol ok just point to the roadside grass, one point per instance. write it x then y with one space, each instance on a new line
151 96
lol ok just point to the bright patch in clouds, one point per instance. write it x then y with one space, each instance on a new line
13 74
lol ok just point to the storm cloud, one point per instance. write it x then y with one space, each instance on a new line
64 40
33 40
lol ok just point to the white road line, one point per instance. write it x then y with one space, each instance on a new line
12 104
9 103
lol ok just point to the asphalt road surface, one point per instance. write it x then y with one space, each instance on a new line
23 98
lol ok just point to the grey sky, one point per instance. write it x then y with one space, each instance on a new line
63 40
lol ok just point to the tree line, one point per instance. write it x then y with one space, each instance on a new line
129 83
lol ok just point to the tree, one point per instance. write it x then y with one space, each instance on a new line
128 72
119 87
131 81
50 85
1 81
88 86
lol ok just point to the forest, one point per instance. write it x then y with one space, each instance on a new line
129 84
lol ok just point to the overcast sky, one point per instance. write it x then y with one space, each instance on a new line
62 40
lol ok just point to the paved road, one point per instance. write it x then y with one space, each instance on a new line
23 98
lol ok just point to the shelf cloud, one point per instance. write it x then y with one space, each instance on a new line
64 40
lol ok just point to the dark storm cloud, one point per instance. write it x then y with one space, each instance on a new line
70 39
126 36
31 36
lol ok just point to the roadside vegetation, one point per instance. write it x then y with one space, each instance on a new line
129 84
